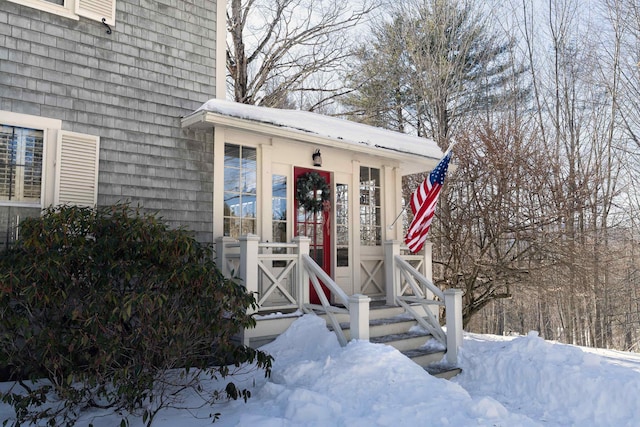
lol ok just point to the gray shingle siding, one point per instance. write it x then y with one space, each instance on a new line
130 88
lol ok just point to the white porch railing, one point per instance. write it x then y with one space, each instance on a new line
279 275
356 306
409 288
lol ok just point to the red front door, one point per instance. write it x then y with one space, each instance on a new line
313 220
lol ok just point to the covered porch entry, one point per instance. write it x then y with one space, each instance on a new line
303 208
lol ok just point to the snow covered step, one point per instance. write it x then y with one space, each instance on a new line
443 371
383 327
375 312
396 331
384 312
424 356
404 341
390 326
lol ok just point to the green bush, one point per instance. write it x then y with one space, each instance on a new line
100 307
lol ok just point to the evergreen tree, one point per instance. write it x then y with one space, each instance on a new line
433 63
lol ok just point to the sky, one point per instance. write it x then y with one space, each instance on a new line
505 381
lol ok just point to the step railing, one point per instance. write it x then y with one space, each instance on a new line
355 306
413 296
412 290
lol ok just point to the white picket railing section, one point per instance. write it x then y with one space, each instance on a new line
279 274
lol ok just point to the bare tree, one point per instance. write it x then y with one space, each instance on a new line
575 282
489 232
432 68
276 47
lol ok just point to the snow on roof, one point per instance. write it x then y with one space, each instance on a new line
305 122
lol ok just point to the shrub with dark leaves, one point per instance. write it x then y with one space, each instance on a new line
111 308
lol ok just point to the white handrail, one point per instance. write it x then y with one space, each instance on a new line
410 273
429 321
314 268
317 274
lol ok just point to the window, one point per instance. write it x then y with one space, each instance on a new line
20 178
279 206
20 164
342 225
279 215
42 165
240 184
370 229
73 9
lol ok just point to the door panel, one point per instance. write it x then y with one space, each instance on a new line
316 226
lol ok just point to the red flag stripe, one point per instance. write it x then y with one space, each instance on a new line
429 204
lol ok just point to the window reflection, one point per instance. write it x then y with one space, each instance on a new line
342 225
279 206
20 164
21 151
370 219
240 184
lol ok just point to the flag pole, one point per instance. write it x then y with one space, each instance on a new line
451 144
397 218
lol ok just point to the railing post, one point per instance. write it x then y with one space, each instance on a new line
359 316
427 271
249 262
303 244
221 255
453 310
391 273
428 261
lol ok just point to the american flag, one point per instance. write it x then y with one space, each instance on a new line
423 204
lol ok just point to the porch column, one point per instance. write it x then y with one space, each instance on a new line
391 273
359 316
221 255
303 243
248 268
453 310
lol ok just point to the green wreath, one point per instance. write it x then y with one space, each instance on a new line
307 187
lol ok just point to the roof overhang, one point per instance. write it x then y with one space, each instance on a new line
409 162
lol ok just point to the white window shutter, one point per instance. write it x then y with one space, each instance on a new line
97 9
77 169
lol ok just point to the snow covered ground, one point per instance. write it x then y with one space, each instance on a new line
506 381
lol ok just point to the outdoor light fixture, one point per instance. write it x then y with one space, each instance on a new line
317 158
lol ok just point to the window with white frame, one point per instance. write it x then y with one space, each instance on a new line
279 207
342 225
20 164
20 178
370 228
240 190
73 9
42 165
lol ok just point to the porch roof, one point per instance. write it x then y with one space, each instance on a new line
415 154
